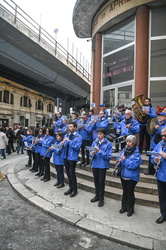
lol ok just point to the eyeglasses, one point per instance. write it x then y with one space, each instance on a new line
163 136
40 130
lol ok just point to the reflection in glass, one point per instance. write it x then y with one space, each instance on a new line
125 96
158 58
119 36
109 98
158 93
118 67
158 22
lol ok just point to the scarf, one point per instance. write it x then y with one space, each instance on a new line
129 151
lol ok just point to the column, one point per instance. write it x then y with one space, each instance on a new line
96 87
142 51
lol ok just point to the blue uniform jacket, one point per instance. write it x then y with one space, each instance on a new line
161 173
74 147
46 142
64 128
131 166
57 158
134 129
151 114
28 139
118 120
99 124
102 159
158 131
86 131
38 145
58 124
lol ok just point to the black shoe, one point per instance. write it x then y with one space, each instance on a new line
42 179
45 180
60 186
161 219
30 169
38 174
56 184
27 165
41 174
149 173
121 211
129 214
69 191
73 194
101 203
94 199
22 153
83 162
34 170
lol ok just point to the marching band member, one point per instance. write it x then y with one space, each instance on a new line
129 161
40 167
75 118
102 108
28 140
58 160
128 126
72 143
64 126
46 143
102 122
86 132
100 155
117 118
58 123
149 112
156 138
161 174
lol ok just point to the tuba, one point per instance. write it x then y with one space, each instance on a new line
137 107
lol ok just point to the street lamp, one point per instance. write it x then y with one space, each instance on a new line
56 32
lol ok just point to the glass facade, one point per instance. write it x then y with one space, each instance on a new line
118 64
158 57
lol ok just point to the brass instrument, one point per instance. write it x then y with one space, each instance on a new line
137 107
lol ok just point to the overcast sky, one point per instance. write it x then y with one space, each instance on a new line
56 14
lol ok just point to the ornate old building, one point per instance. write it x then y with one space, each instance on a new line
20 105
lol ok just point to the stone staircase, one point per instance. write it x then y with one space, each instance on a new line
145 192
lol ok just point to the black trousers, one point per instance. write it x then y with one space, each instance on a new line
128 197
47 168
151 169
29 153
99 181
42 164
60 174
143 133
162 196
70 171
84 144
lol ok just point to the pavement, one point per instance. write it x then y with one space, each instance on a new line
140 230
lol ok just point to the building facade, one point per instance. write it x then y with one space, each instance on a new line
23 106
128 49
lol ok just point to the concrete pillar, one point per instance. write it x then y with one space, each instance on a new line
142 50
96 88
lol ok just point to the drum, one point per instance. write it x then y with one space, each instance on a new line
120 139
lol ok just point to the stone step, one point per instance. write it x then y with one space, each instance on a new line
143 169
145 193
113 181
116 193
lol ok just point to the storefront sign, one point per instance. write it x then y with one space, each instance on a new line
113 9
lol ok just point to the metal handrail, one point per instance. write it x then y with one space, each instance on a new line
20 16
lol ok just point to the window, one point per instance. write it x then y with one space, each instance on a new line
158 57
39 105
6 97
50 107
25 102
